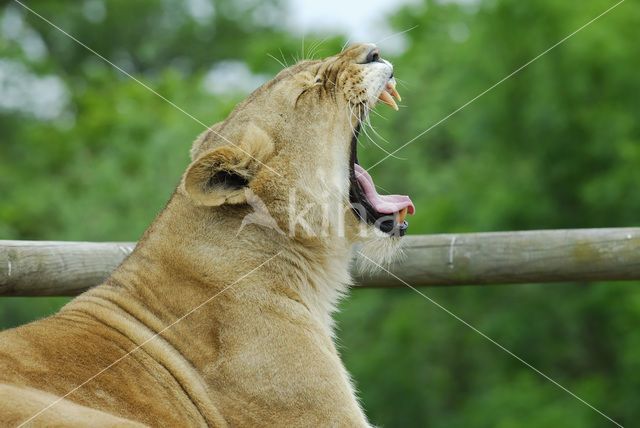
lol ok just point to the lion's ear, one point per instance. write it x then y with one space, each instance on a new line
220 176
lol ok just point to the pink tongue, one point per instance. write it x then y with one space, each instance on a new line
385 204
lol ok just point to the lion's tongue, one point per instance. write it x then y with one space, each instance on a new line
386 204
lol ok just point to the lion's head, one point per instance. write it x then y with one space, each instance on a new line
292 146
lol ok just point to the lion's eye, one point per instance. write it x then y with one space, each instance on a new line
374 56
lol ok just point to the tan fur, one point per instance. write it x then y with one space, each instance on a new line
260 351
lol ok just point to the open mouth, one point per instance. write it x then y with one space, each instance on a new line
385 212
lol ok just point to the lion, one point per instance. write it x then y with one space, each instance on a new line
221 316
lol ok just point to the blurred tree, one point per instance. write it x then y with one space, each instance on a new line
555 146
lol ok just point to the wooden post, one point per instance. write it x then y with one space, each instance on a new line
39 268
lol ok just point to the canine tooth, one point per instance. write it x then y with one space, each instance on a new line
402 214
386 98
391 86
395 93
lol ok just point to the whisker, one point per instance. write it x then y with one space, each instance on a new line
345 44
364 128
385 140
277 60
377 114
377 134
283 58
349 112
364 115
382 188
403 83
317 46
355 113
396 34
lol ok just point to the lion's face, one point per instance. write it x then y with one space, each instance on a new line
293 145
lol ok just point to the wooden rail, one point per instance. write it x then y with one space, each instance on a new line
40 268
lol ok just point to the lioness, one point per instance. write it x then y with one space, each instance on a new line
221 316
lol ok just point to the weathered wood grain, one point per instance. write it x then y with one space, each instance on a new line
38 268
44 268
516 257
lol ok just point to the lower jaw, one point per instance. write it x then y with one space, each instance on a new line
393 228
386 223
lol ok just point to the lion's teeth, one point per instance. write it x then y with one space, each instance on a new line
402 214
395 93
386 98
391 86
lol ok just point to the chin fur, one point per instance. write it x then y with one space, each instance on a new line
380 248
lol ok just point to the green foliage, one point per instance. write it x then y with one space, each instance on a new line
555 146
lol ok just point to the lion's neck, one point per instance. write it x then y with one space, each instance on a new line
183 261
320 278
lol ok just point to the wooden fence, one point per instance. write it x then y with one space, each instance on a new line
41 268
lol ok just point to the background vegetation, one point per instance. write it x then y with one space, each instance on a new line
88 154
